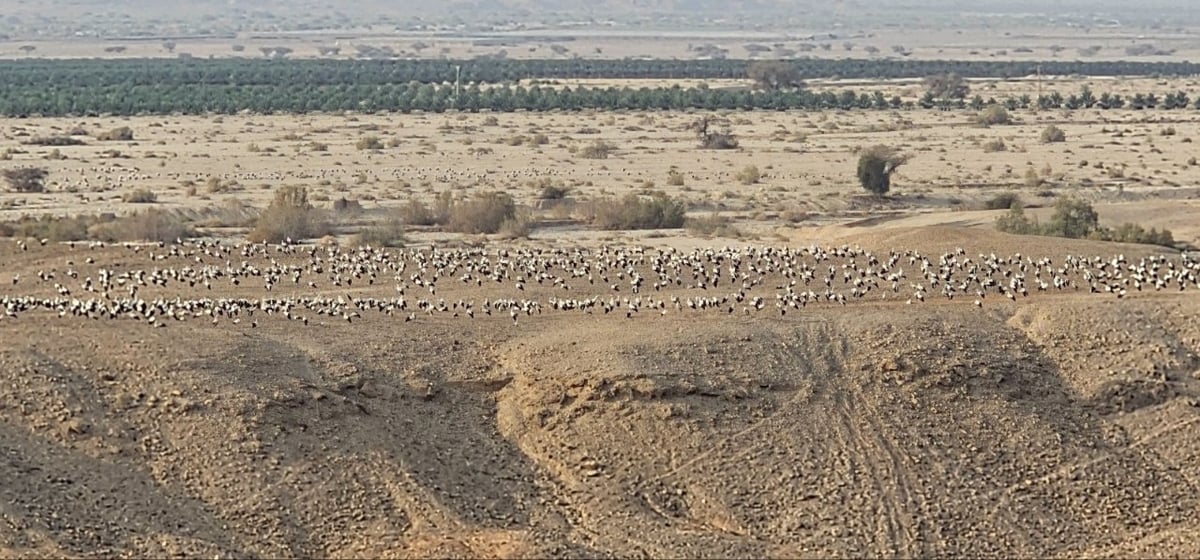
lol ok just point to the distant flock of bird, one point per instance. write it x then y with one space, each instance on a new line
329 283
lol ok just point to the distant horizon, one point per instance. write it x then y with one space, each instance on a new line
84 16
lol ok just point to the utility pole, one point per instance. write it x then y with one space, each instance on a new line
1037 105
457 83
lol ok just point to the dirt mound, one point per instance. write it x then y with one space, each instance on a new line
1122 356
1057 425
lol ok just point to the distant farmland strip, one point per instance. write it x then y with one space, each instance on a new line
263 72
152 86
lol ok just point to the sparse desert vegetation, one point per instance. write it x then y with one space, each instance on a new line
444 281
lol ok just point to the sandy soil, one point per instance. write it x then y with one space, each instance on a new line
1055 426
1135 164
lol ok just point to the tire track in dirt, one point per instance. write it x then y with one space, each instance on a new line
900 503
867 475
833 350
879 460
910 505
875 463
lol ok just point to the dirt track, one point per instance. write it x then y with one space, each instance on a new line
1060 425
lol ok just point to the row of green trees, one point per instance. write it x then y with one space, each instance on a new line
24 101
1085 99
280 72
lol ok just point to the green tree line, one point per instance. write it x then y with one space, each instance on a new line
25 101
101 73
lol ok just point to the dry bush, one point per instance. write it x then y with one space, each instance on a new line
518 226
993 115
140 196
1052 134
710 139
52 228
749 175
1003 201
774 74
713 225
214 185
53 141
596 150
417 213
554 192
723 140
369 143
656 211
345 205
387 234
483 213
996 145
795 215
290 216
1032 179
26 179
120 134
675 178
152 225
230 213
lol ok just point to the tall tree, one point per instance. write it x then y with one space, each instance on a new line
774 74
947 86
876 166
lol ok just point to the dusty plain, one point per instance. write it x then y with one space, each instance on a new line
1135 166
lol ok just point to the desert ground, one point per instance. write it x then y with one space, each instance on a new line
828 374
1057 424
